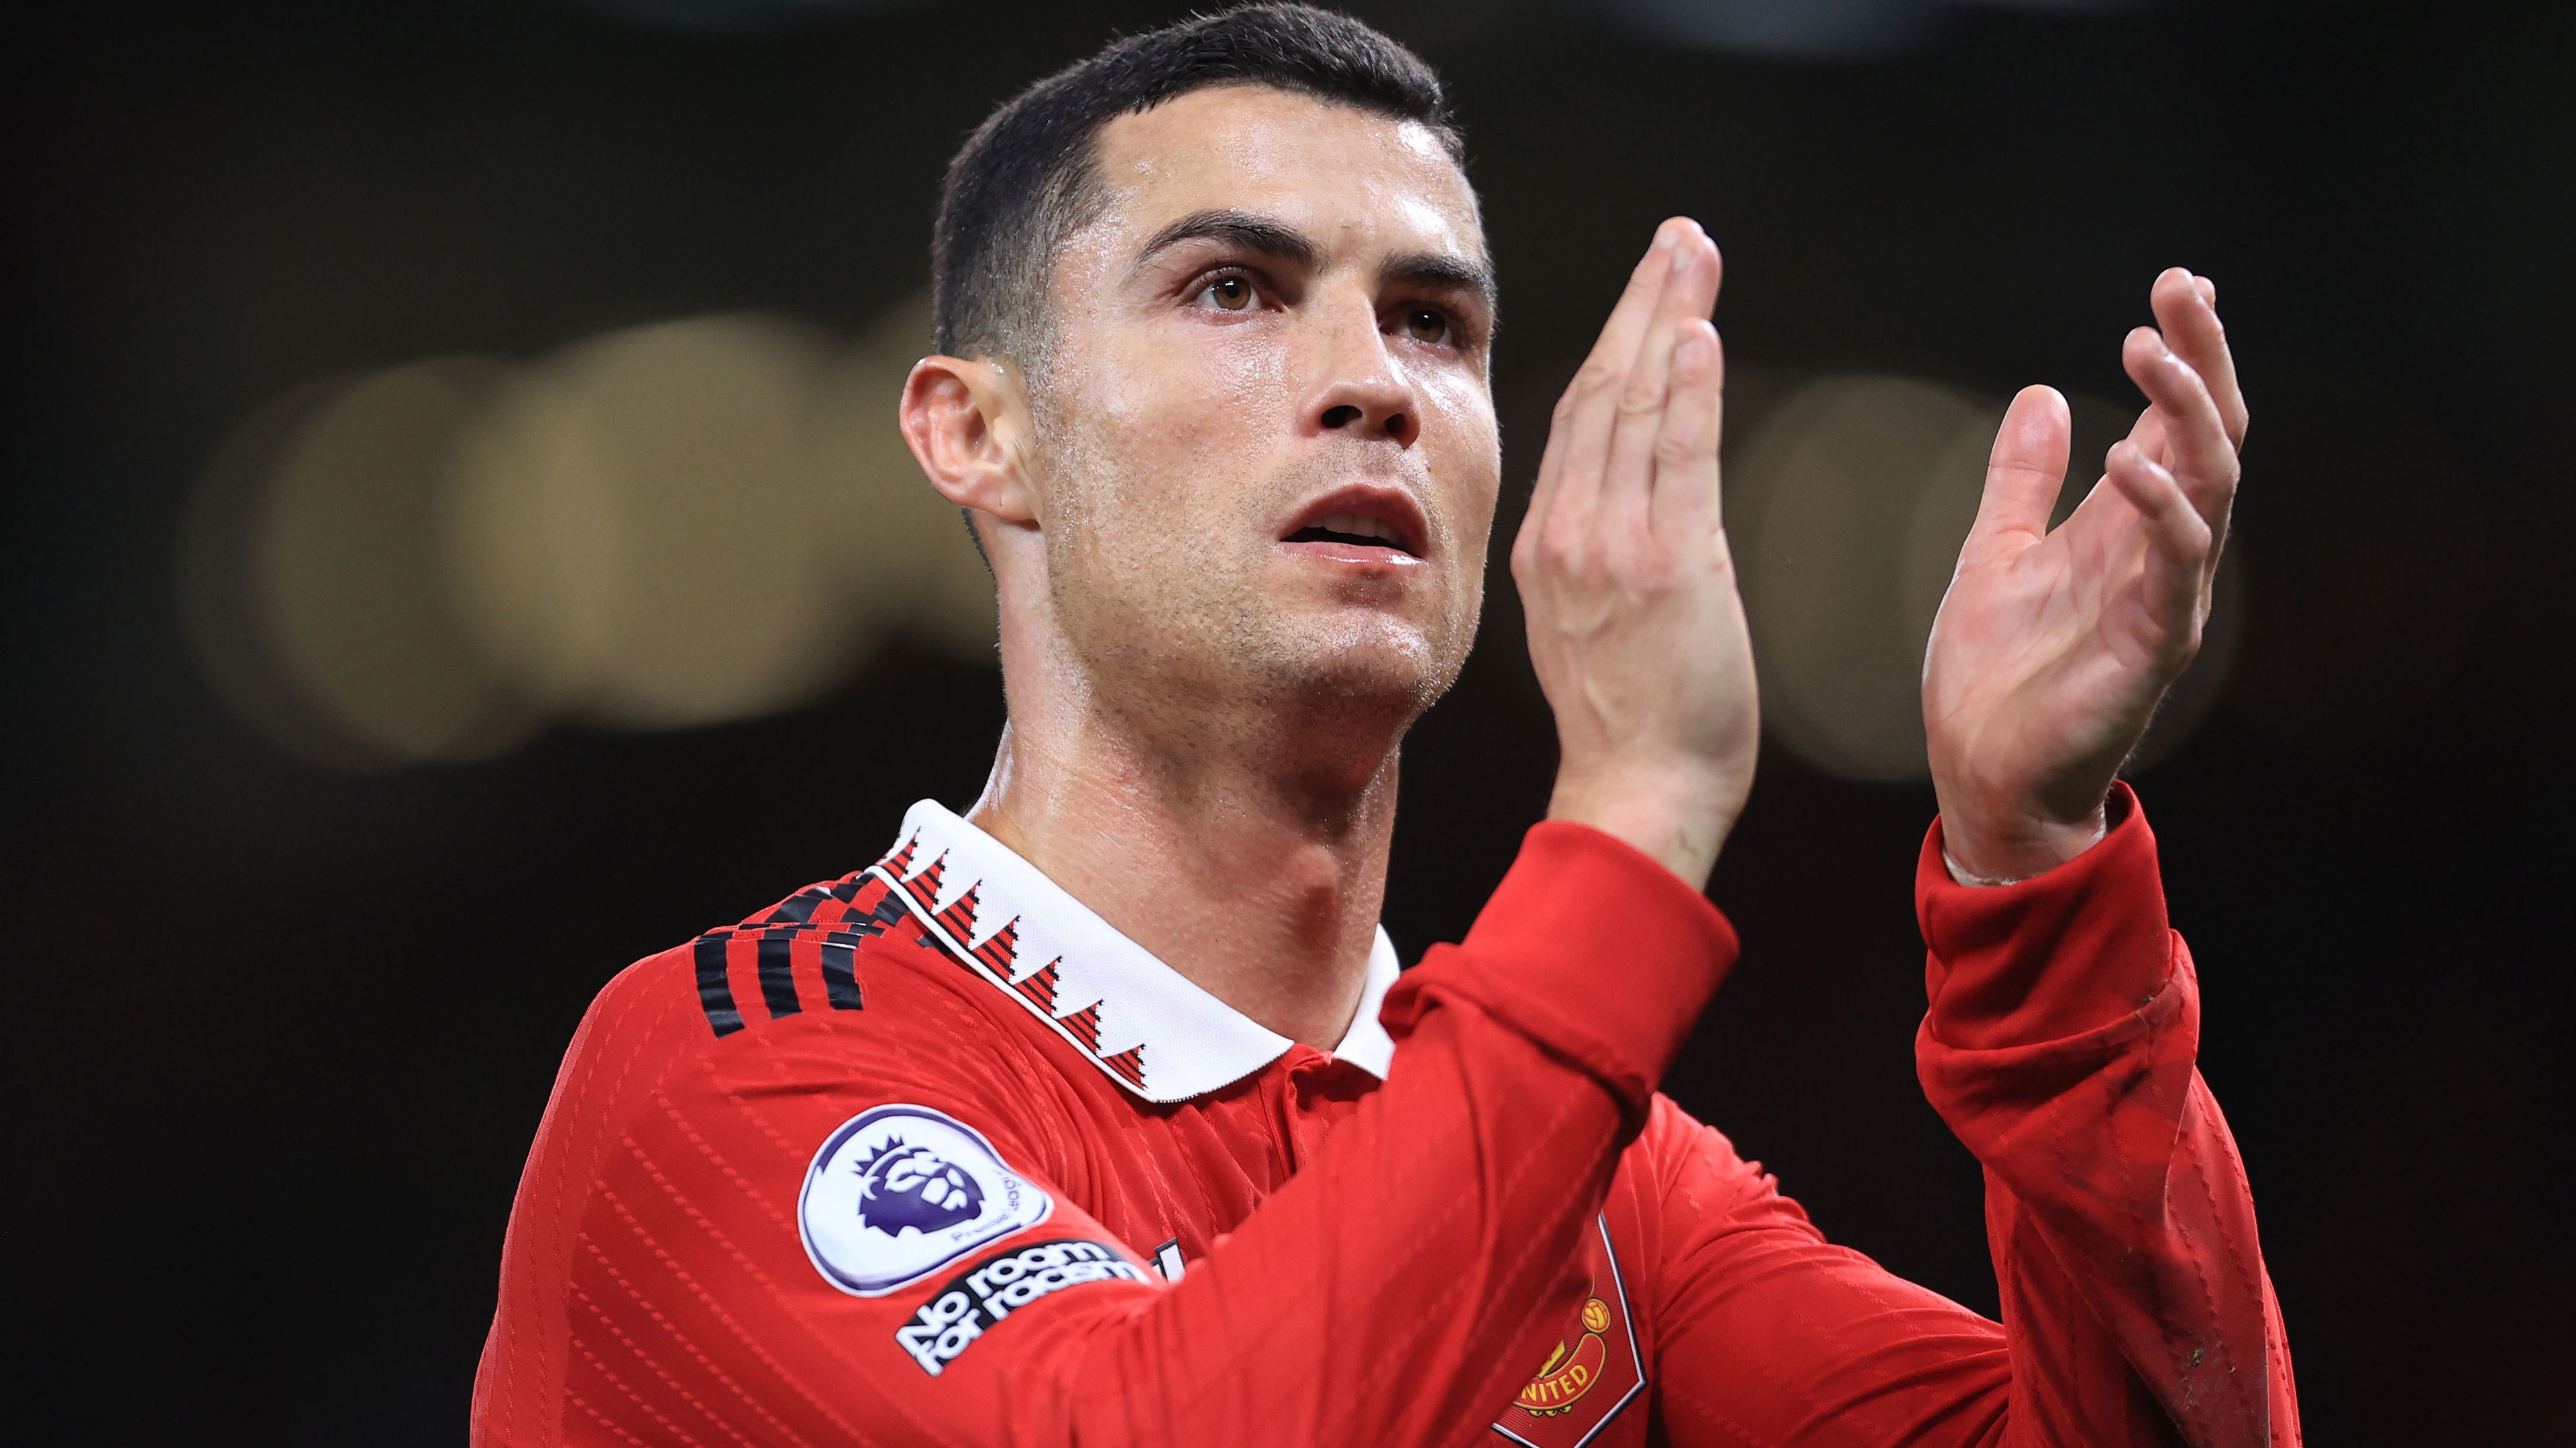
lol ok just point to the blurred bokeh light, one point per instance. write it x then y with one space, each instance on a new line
1847 506
631 532
1827 503
671 525
897 549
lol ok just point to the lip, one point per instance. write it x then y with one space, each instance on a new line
1392 506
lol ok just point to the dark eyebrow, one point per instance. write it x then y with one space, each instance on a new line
1257 234
1434 271
1265 236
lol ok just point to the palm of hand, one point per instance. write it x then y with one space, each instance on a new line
2048 655
2053 647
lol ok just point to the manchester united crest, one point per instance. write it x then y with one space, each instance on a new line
1593 1370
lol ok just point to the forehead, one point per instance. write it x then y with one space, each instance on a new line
1343 175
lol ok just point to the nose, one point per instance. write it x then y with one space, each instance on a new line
1357 387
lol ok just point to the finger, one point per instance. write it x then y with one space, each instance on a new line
2026 468
1628 473
2197 447
2148 432
1579 435
1685 505
2186 310
2178 538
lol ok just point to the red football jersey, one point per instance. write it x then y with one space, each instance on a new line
932 1154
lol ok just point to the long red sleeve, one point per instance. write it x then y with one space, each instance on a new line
1397 1288
2060 1047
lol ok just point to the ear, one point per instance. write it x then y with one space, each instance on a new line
968 425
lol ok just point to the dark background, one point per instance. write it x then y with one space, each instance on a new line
277 1037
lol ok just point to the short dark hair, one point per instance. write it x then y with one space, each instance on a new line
1024 182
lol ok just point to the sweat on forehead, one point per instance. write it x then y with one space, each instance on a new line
1281 175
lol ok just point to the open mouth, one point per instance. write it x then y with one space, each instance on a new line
1362 524
1352 530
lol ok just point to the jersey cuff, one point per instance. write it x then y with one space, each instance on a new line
2061 953
1591 948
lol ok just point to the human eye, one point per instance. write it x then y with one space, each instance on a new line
1429 325
1436 322
1230 291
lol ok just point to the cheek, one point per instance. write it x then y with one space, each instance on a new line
1187 425
1217 395
1464 453
1147 447
1249 369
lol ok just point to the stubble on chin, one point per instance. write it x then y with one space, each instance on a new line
1162 603
1176 636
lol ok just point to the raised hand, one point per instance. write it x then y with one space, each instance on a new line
1634 622
2053 647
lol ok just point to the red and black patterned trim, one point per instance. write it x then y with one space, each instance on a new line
951 930
812 936
715 992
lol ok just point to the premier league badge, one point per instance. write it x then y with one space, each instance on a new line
902 1191
902 1185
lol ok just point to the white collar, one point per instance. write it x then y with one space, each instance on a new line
1152 1029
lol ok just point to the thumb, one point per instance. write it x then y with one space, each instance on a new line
2026 468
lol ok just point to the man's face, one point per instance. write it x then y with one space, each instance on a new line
1267 459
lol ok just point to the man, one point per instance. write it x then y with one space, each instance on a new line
1099 1113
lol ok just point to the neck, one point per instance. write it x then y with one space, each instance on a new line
1252 861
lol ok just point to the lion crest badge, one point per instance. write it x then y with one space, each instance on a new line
900 1191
